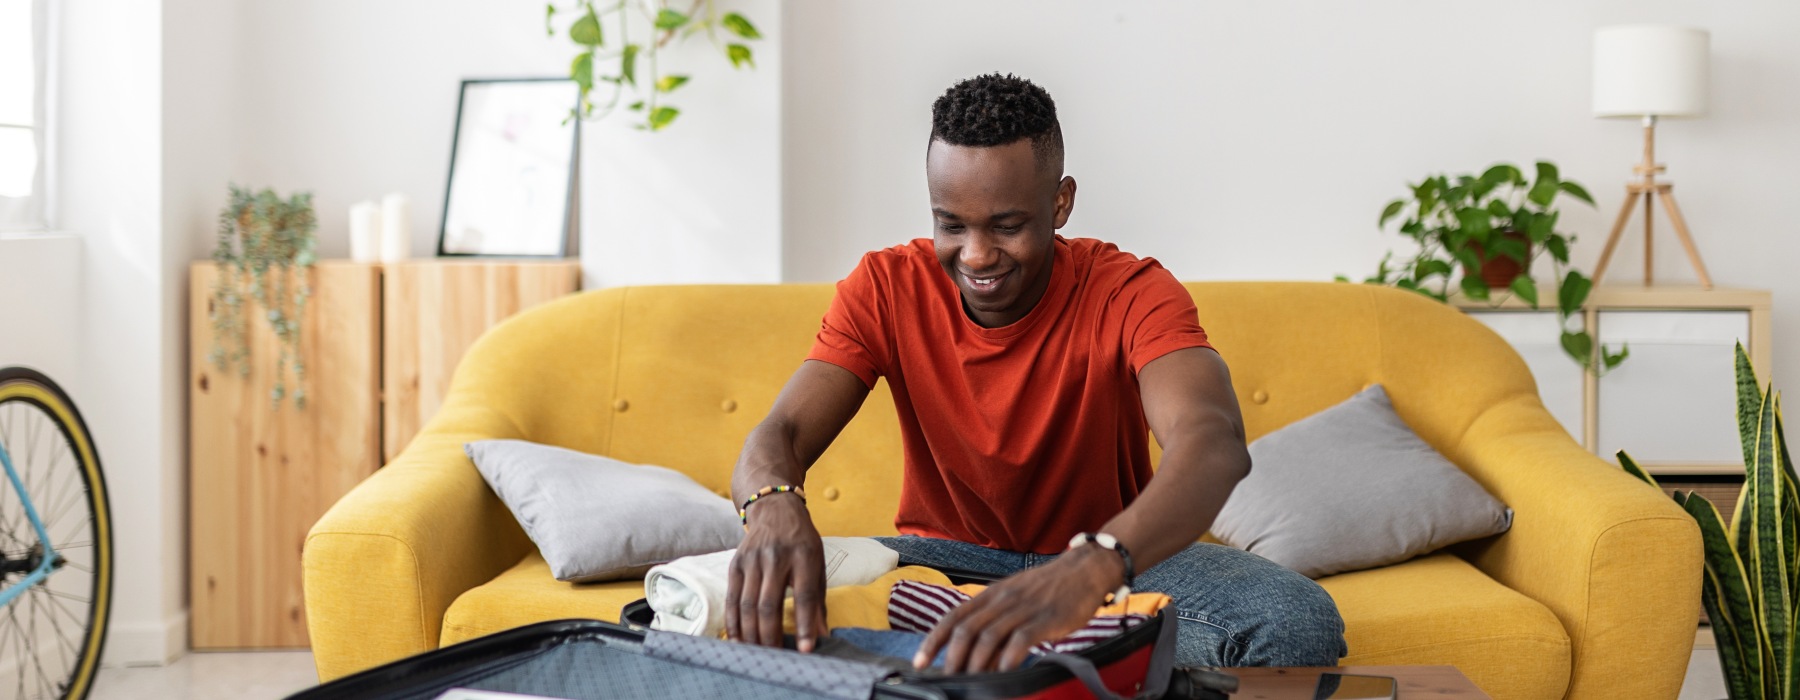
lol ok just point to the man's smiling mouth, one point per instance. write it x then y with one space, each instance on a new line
985 284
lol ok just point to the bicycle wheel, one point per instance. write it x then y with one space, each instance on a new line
51 630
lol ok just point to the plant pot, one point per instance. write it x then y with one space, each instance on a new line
1499 272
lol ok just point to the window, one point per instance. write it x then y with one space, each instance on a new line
23 166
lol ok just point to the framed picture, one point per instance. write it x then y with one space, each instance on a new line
512 169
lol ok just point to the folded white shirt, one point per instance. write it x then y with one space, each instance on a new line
688 594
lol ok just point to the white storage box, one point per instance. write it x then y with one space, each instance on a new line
1674 400
1537 338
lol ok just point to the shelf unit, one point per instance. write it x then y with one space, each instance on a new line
380 343
1606 303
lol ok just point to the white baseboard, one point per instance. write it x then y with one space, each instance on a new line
146 643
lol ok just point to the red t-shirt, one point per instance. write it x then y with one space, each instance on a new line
1021 436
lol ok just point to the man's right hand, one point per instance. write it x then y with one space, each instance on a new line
781 550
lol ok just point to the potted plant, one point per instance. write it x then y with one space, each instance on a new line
265 248
1476 235
1751 568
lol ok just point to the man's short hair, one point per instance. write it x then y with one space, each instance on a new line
995 110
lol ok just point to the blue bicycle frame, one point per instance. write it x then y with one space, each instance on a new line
38 574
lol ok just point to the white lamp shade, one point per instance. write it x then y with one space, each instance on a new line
1650 70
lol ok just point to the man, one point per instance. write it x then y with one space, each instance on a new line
1025 369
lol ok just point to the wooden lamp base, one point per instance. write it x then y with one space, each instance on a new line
1648 190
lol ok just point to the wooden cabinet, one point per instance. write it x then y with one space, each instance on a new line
380 343
437 310
261 475
1672 404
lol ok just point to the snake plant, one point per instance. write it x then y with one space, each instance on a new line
1751 587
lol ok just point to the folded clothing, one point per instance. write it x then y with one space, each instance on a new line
688 594
916 606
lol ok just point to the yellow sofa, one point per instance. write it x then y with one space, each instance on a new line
1591 594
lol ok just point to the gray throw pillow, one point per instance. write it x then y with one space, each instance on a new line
1352 487
600 519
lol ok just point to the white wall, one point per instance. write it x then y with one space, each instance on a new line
701 200
200 144
111 195
40 302
1241 140
352 100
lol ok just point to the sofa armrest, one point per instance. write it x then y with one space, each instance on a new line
383 565
1617 561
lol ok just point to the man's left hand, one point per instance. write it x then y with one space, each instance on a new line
995 631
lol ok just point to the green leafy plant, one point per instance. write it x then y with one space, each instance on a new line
1476 233
265 248
636 60
1751 587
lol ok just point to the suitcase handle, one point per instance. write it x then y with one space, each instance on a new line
1156 677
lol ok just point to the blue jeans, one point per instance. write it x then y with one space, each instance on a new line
1235 608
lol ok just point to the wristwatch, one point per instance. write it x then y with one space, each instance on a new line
1112 543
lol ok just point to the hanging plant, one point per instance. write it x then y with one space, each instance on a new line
264 252
598 21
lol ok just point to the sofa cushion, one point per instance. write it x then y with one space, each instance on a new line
599 519
527 593
1435 610
1440 610
1352 487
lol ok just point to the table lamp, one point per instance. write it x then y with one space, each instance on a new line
1646 72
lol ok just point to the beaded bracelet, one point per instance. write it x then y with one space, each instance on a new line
744 512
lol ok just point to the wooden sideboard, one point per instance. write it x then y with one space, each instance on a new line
1672 405
380 343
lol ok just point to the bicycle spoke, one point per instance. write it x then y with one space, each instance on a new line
23 645
37 607
12 610
67 596
78 567
69 644
13 515
17 516
6 422
6 640
81 625
56 490
51 520
36 659
48 480
73 613
31 441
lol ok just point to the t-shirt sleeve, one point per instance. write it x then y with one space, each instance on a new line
1159 316
854 333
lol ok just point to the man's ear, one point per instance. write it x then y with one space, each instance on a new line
1065 200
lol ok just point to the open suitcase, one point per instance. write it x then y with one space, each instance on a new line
594 660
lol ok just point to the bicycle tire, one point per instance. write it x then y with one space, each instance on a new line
28 396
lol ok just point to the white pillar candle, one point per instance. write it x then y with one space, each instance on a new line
365 232
396 228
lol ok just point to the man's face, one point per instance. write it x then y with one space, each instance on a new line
995 220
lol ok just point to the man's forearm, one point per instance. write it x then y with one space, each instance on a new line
1180 504
768 459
